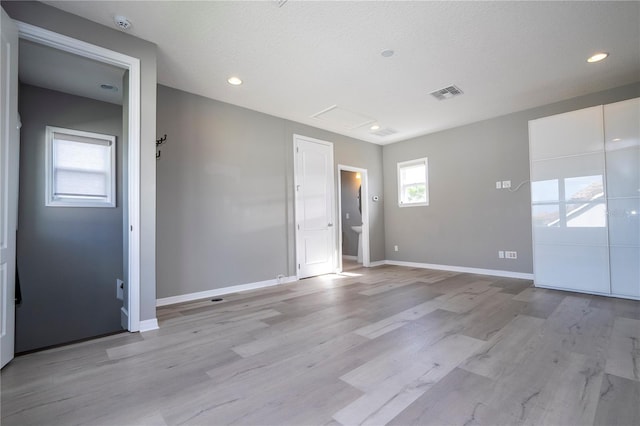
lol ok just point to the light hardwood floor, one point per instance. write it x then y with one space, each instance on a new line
386 345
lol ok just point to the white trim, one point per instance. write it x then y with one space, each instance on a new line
377 263
364 196
573 290
410 163
87 50
224 290
347 256
124 318
51 200
148 325
479 271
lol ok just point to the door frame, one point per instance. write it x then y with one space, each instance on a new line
364 199
297 137
101 54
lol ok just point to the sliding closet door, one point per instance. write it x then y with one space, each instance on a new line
568 201
622 143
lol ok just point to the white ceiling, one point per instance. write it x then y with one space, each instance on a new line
305 57
54 69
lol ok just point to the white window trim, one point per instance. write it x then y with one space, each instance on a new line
402 164
50 199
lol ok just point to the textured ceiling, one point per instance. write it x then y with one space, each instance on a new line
305 57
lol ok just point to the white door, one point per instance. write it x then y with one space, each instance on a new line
314 194
9 153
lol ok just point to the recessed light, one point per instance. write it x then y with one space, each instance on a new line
234 81
375 127
387 53
597 57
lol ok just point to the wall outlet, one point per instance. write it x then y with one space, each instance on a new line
506 184
119 289
347 216
511 254
498 185
500 254
395 248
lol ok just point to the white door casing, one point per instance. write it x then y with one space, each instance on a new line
314 207
9 163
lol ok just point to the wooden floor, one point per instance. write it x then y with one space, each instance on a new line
386 345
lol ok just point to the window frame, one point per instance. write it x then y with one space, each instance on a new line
55 201
409 163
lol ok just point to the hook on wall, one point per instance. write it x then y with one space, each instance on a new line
158 143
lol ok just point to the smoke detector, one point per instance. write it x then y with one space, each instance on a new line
122 22
447 93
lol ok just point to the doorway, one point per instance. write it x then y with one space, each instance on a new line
353 211
71 239
130 312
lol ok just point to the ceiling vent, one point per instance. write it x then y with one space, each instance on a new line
279 3
447 93
384 132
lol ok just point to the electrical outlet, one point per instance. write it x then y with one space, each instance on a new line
395 248
119 289
511 254
500 254
506 184
498 185
347 216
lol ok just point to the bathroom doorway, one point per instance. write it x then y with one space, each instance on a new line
353 211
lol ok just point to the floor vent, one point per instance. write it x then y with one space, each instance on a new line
447 93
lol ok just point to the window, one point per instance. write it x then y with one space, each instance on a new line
413 183
80 168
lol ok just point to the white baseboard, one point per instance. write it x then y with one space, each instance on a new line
148 325
492 272
346 256
377 263
124 318
221 291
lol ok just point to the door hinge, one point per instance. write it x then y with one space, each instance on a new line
132 227
297 149
298 227
298 266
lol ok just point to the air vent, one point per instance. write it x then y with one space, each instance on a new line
447 93
279 3
384 132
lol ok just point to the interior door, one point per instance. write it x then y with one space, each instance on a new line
9 161
314 194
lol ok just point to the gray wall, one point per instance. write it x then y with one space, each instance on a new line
68 258
225 193
349 204
468 220
70 25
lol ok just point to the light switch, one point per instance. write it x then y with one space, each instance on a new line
347 215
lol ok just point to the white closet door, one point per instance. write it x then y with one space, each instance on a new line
622 144
568 201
